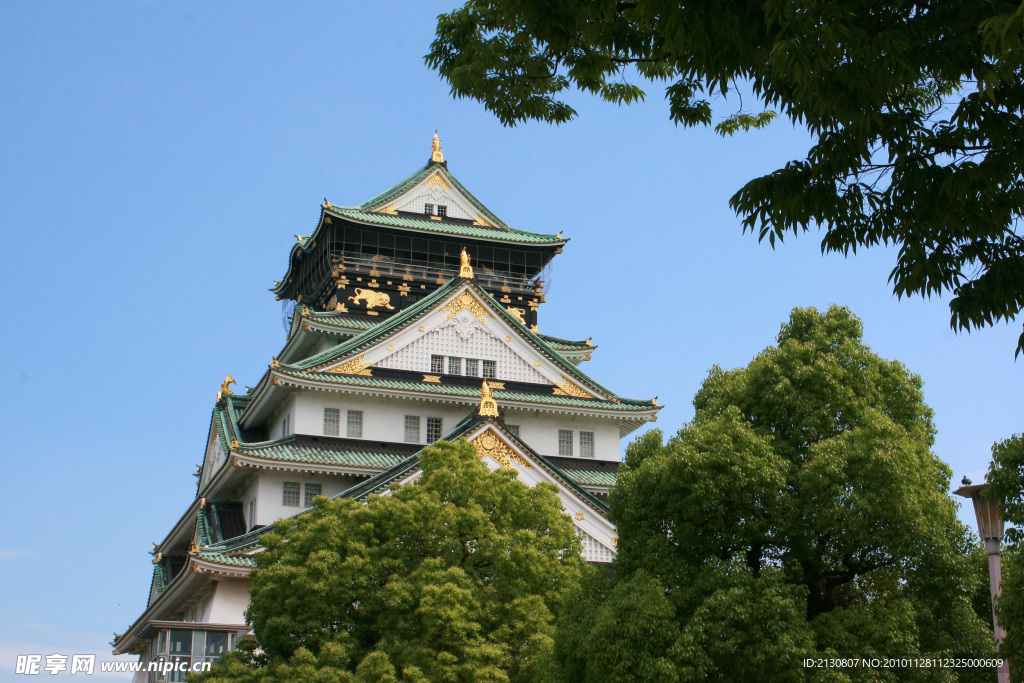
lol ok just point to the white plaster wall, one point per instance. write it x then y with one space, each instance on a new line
275 424
227 603
384 420
270 488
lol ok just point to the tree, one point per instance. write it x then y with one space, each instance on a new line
916 109
800 514
458 577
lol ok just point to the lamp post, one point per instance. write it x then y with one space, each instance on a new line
990 527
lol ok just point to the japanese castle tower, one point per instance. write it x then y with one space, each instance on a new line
415 319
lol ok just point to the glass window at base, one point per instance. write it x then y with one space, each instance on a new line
178 652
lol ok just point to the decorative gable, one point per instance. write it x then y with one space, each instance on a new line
436 190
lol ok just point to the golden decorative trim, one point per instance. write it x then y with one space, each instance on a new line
340 308
403 290
508 338
422 329
305 328
466 302
389 209
559 235
353 366
234 444
533 328
589 340
488 406
490 444
274 363
373 283
517 313
496 385
567 388
615 542
579 516
391 347
435 218
274 381
372 313
437 179
342 282
537 363
482 222
193 549
433 379
327 204
435 149
534 305
465 270
505 299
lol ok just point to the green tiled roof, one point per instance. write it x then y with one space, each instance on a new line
357 344
326 451
336 319
452 390
446 227
588 477
565 344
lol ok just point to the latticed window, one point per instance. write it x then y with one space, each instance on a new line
454 366
354 424
332 421
434 429
412 428
312 491
442 210
565 442
437 365
513 430
290 496
586 444
472 367
489 368
286 425
428 209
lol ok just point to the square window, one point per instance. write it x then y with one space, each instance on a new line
428 209
434 429
412 428
565 442
454 366
586 444
489 369
290 497
513 430
437 365
332 421
472 367
312 491
442 210
354 424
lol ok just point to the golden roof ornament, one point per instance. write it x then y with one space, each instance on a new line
224 390
488 406
465 270
436 155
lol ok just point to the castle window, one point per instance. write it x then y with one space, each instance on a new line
332 421
290 494
354 424
513 430
490 367
252 513
434 429
565 442
437 365
312 491
428 209
286 425
412 428
586 444
442 210
472 367
454 366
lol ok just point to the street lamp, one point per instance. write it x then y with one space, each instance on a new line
990 527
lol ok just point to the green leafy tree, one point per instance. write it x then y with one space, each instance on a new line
458 577
800 514
1006 481
915 108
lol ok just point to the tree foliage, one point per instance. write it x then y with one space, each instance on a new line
800 514
915 107
456 578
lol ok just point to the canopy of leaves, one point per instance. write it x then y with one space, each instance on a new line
915 105
458 577
800 514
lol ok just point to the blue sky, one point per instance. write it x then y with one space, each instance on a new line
157 159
